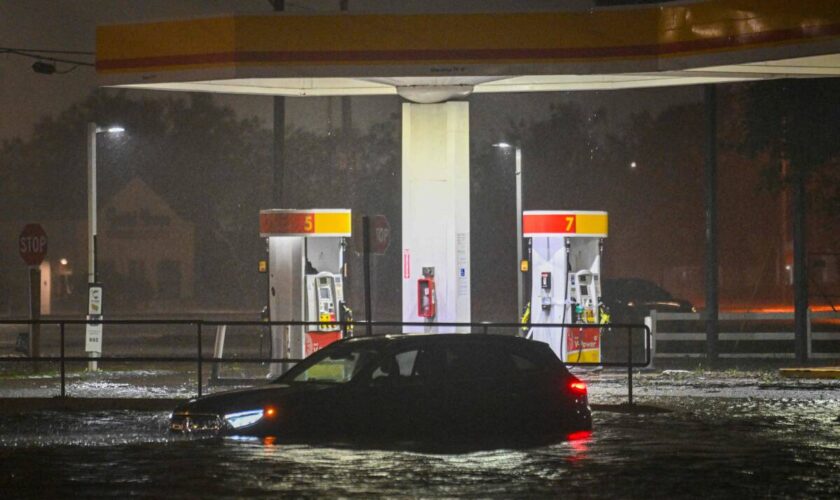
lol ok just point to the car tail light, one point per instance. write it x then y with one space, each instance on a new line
576 386
579 435
270 412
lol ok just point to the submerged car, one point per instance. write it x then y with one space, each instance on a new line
432 386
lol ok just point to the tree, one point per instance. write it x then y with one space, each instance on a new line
210 166
794 124
797 121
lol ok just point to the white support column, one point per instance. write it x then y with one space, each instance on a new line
436 208
286 270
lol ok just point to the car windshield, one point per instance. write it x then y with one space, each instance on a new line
632 289
331 366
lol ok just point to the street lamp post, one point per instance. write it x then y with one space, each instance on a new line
520 275
92 130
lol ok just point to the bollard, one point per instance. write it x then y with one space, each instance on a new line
63 375
198 334
630 365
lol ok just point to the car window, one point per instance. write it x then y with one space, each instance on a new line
530 358
398 365
337 367
646 290
523 364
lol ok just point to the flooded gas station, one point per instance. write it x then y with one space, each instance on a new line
745 434
656 395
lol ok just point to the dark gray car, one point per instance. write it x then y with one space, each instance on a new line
416 387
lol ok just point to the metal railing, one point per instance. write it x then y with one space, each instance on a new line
369 327
771 340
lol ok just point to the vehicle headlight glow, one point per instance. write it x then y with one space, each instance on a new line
243 418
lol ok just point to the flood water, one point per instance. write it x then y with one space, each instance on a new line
708 447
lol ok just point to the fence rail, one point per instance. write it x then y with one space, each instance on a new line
674 339
369 326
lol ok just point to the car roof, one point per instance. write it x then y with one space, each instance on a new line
440 338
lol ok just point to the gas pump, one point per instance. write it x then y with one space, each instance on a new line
566 252
324 296
585 293
306 278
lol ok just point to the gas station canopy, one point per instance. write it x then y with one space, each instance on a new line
433 57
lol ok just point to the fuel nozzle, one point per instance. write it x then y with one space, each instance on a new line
577 310
546 302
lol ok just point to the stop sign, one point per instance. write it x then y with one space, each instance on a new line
380 234
32 244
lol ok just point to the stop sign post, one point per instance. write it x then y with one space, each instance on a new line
32 245
380 234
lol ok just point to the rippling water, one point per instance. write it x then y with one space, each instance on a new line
708 447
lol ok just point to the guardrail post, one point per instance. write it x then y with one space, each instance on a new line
63 379
630 365
809 346
650 340
219 351
199 357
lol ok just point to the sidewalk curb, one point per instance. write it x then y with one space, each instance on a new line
825 372
634 409
26 405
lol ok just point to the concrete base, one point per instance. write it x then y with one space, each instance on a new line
826 372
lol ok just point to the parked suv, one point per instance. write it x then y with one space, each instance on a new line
631 299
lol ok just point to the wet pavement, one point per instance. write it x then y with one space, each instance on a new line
730 434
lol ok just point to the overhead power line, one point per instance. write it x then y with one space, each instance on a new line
49 51
37 54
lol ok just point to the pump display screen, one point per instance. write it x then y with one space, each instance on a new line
325 293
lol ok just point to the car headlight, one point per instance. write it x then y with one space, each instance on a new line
243 418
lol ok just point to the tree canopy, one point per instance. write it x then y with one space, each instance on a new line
212 167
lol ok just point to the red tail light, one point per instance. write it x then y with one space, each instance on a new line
579 435
577 387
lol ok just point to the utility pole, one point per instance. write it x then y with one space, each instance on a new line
800 267
346 111
279 132
711 313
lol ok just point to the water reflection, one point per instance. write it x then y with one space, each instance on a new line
579 443
714 447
